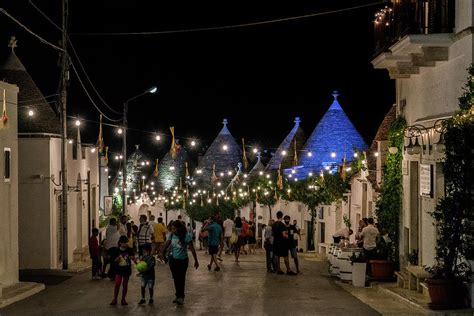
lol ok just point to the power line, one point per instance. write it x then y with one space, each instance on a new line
215 28
76 55
88 79
89 96
42 40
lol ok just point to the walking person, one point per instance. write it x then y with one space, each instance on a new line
281 244
123 269
122 225
159 234
179 243
252 239
268 245
111 243
293 241
245 235
215 239
147 275
94 251
145 234
228 227
240 239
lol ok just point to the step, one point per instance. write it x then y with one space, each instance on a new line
402 279
424 289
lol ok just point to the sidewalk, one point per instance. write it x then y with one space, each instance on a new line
18 292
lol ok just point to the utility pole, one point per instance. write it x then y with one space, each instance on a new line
63 114
124 160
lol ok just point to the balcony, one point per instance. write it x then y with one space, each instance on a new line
411 34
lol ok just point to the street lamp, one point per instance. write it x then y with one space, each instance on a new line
124 148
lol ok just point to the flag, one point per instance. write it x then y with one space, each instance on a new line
343 170
213 176
155 172
4 112
187 171
106 157
295 159
280 178
244 155
180 184
100 138
173 148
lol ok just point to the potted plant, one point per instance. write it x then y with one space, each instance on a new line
359 267
382 266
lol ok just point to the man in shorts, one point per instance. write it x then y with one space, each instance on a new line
215 239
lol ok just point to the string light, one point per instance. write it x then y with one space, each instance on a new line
93 150
158 138
376 154
193 143
283 153
31 113
78 123
225 147
309 154
120 131
106 170
356 155
255 150
70 141
333 155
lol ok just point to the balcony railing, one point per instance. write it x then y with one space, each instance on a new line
404 17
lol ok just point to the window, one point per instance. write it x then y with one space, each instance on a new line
7 164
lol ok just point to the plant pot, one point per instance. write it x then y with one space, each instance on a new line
381 269
446 293
358 274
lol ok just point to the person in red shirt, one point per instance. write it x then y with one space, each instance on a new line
94 252
245 234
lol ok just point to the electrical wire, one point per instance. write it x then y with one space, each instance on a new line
38 99
89 96
88 79
42 40
215 28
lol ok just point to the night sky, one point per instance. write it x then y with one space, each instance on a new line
258 77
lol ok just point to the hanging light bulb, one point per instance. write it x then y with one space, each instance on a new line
31 113
193 143
157 138
120 131
283 153
225 147
70 141
78 123
255 150
310 154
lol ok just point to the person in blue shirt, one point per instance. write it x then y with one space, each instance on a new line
177 246
215 239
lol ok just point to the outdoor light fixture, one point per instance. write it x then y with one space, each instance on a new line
283 153
172 168
93 150
245 176
219 184
268 176
31 113
225 147
199 171
143 163
261 173
356 155
255 150
310 174
348 169
78 123
310 154
333 155
229 173
293 171
327 167
222 174
158 137
376 154
193 143
147 163
70 141
120 173
106 169
120 131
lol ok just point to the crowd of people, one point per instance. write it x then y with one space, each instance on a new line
152 242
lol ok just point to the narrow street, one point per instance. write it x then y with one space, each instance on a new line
237 289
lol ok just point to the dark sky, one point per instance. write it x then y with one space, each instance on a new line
258 77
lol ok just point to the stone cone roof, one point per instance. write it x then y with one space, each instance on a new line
287 145
334 133
224 160
45 119
381 135
170 170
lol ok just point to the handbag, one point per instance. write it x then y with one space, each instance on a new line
233 238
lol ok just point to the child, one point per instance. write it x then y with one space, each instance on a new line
148 276
123 269
94 252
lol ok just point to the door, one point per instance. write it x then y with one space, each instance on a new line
310 230
59 231
414 207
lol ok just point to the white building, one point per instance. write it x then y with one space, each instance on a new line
40 192
429 65
9 188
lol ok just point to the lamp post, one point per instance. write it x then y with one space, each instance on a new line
124 146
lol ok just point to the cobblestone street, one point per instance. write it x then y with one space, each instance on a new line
243 288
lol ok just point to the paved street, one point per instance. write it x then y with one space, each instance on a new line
238 289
